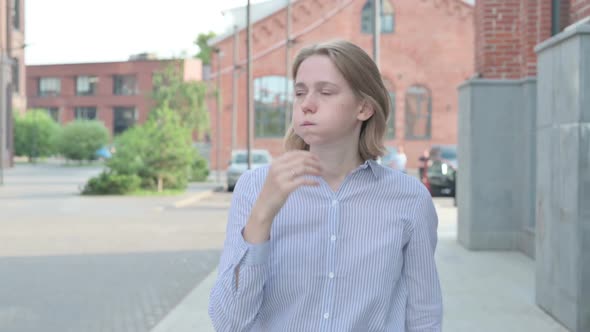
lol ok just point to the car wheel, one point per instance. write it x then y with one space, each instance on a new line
230 188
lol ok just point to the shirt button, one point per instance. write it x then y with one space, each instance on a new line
326 315
331 275
333 238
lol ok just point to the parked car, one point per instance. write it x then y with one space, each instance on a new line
447 153
239 164
440 170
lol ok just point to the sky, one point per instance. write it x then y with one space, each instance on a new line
75 31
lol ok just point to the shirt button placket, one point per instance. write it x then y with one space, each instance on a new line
329 305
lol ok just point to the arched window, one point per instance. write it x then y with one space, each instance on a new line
270 94
387 17
390 133
418 113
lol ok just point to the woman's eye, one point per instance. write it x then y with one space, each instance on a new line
326 93
299 93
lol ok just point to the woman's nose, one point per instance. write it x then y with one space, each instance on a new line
309 105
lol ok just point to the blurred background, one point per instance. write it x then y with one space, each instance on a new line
125 125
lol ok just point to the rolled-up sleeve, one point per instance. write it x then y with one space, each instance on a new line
237 294
424 305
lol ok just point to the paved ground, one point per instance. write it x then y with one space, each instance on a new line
483 291
72 263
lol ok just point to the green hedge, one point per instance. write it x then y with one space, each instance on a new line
35 134
81 139
111 183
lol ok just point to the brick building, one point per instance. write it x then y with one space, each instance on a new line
426 52
117 93
12 69
524 146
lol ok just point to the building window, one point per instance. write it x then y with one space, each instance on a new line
271 93
49 86
15 75
53 112
16 14
86 85
85 113
124 85
390 131
124 118
391 122
387 17
418 113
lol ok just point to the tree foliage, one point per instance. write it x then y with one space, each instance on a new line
81 139
35 134
186 98
204 48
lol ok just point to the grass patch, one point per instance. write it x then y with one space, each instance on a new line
150 193
75 164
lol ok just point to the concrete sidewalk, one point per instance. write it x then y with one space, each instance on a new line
483 291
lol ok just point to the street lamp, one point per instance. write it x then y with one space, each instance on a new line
219 54
250 106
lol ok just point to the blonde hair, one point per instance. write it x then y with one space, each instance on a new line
364 78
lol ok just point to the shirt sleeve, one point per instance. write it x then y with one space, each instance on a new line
424 305
237 294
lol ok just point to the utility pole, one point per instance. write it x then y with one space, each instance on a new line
376 30
5 90
219 114
287 65
250 108
236 75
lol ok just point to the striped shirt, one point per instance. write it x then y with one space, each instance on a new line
359 259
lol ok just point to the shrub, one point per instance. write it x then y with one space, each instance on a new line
199 168
82 138
111 183
159 152
35 134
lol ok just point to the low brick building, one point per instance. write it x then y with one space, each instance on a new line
116 93
426 52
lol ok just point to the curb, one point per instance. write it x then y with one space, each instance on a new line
191 314
193 199
196 197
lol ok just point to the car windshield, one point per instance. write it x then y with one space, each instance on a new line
242 158
449 154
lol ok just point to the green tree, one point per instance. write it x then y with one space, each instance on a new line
35 134
204 48
160 152
187 98
81 139
172 152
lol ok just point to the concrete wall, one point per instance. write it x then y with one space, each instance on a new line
563 178
496 153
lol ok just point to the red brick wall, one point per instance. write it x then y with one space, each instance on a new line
578 9
432 45
507 32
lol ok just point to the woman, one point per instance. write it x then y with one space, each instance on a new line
326 239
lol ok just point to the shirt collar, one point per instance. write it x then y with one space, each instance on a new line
373 166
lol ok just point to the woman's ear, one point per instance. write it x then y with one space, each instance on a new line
366 111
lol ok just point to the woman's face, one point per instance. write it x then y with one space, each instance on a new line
325 109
